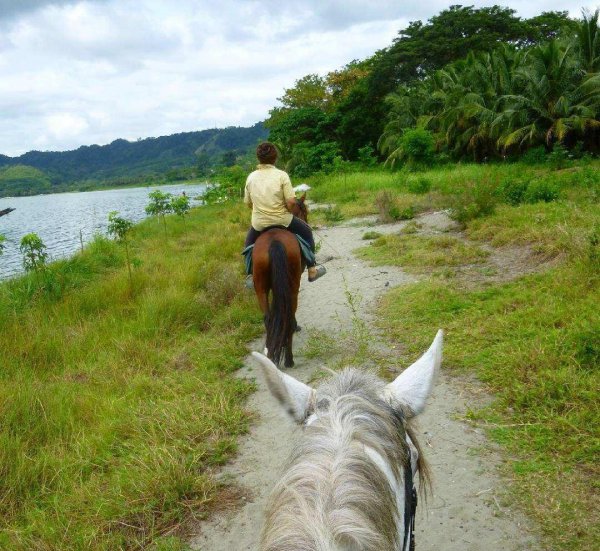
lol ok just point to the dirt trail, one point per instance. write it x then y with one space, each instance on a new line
465 512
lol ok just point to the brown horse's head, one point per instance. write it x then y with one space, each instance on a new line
300 209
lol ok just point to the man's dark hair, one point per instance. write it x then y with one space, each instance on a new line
266 153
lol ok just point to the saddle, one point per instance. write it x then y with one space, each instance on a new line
305 250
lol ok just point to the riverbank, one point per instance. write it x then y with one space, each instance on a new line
116 398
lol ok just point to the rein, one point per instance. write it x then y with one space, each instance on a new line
410 509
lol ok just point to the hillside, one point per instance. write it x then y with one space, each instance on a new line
122 161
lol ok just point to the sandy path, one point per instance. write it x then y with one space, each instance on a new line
464 513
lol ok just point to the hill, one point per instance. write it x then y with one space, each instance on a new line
123 162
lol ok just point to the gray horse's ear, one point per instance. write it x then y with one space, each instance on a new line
293 395
412 387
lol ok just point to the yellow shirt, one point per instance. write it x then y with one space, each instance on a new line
267 190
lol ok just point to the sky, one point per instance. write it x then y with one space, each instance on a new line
81 72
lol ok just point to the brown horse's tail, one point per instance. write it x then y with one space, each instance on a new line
280 320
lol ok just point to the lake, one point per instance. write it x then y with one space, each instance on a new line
58 218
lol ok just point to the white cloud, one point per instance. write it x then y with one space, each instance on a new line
81 72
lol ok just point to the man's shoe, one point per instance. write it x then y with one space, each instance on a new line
249 282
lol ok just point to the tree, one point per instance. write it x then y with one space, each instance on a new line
588 42
119 228
180 206
160 205
34 252
553 105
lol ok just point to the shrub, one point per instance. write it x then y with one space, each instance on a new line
417 147
333 214
513 191
406 213
366 156
419 186
476 200
558 157
371 235
2 240
34 252
541 190
535 156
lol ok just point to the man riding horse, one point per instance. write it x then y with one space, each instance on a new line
270 195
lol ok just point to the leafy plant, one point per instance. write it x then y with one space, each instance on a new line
541 190
160 205
513 191
419 186
2 241
366 156
475 201
333 214
180 206
34 252
119 228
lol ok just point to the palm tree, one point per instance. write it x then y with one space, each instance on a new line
588 42
554 102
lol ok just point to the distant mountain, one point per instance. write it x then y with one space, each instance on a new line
122 161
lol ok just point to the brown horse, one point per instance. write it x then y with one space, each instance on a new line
277 265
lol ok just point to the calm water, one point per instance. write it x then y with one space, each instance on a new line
57 218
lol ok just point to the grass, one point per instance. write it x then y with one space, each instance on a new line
116 400
532 341
418 253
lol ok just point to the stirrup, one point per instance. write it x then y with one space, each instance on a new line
321 271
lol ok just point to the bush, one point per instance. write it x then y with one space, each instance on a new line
513 191
541 190
371 235
366 156
419 186
406 213
476 200
417 147
333 214
559 156
390 210
535 156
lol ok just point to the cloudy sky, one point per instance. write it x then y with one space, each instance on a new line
81 72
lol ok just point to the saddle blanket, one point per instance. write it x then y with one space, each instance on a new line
305 249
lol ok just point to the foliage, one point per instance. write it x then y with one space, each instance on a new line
333 214
419 186
2 241
159 205
100 389
541 190
366 156
505 101
20 179
414 148
180 205
125 163
475 200
119 228
34 252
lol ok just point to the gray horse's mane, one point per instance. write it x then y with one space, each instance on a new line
331 497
